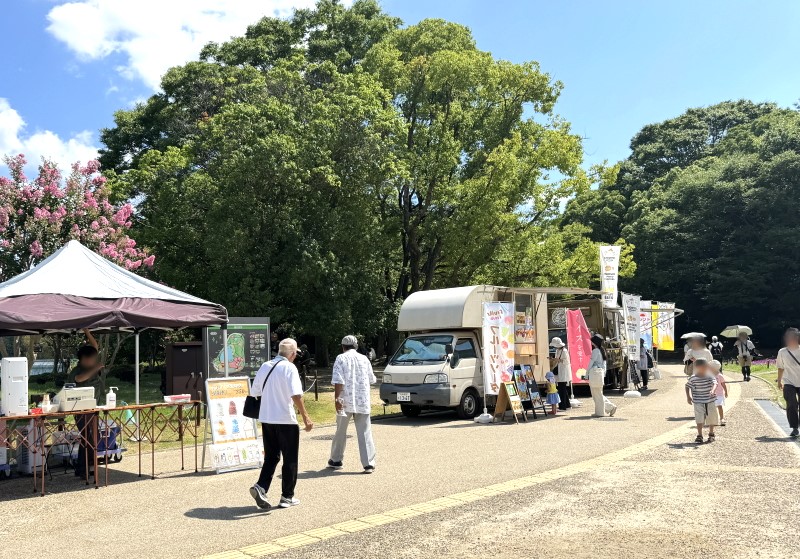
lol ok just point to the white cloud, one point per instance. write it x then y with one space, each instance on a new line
154 35
65 152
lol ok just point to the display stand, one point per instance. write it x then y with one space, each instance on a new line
508 398
235 441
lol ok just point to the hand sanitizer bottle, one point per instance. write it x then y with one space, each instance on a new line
111 397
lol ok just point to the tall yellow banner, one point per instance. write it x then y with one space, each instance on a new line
666 326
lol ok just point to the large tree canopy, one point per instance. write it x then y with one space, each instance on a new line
719 234
322 168
656 150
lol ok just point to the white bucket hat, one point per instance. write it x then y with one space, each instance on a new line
556 342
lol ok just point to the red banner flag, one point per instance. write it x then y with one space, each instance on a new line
579 343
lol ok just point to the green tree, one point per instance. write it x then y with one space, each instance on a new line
321 168
717 236
479 145
656 150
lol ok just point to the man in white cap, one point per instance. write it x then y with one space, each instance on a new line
563 370
352 377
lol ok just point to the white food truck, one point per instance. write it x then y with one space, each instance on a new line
439 364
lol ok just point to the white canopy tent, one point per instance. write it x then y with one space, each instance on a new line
76 288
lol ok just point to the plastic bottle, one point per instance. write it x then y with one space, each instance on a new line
111 397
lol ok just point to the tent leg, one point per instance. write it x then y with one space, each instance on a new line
225 349
136 373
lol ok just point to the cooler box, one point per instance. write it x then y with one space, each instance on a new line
14 379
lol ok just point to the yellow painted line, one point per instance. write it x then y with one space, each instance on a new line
404 512
378 519
261 549
351 526
324 533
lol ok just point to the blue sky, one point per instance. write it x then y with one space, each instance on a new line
67 66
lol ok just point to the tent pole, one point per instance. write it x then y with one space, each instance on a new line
225 348
136 365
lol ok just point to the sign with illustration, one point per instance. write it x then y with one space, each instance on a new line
521 378
609 274
247 349
524 332
235 441
579 343
498 343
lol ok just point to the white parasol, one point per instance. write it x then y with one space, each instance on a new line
693 335
735 330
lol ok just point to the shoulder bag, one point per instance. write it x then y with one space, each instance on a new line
252 404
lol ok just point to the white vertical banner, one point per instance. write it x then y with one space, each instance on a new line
609 274
498 345
646 319
631 309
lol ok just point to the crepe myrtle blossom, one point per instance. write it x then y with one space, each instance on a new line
38 216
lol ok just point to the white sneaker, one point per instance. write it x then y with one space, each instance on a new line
286 503
613 411
258 493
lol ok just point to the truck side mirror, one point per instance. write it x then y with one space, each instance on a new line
448 349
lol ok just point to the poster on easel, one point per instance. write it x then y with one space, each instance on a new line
235 441
509 399
521 378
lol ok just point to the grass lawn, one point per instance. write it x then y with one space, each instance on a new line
322 412
764 372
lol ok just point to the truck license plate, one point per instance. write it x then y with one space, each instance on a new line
404 396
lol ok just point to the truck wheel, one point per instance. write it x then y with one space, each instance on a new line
469 405
410 411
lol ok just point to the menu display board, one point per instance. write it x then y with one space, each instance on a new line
248 347
235 441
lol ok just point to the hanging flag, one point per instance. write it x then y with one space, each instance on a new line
609 274
498 345
579 343
646 319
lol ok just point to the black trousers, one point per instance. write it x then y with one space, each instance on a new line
791 394
563 393
280 441
85 425
645 374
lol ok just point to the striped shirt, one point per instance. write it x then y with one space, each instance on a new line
702 388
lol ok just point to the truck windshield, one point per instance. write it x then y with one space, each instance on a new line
420 349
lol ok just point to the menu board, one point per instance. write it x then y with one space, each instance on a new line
235 441
248 349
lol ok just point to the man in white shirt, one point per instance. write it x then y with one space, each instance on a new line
745 350
278 384
563 373
789 377
352 377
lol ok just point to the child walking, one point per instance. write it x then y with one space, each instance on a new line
552 392
721 392
701 393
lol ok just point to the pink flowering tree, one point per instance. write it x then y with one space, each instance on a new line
39 215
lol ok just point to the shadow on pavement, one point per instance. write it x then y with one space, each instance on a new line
315 474
681 446
225 513
679 419
767 439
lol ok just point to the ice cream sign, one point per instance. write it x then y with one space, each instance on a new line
498 345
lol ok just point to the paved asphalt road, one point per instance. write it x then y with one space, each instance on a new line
671 499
